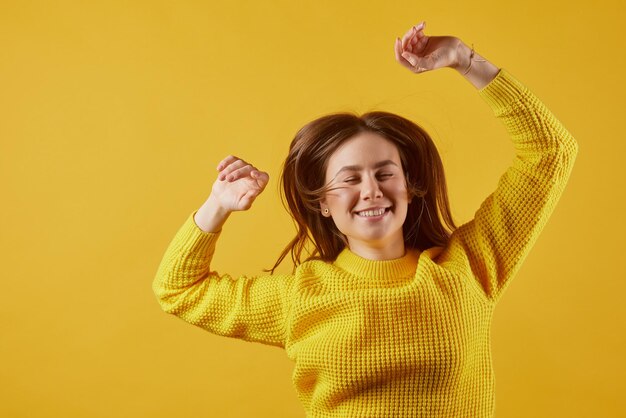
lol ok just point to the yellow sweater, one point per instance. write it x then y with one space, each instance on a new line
399 338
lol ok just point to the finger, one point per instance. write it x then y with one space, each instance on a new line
420 26
228 160
248 198
240 172
421 45
411 58
414 61
414 43
419 35
407 36
419 30
417 45
235 165
397 49
261 177
418 41
399 56
414 31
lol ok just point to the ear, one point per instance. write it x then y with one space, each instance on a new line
324 209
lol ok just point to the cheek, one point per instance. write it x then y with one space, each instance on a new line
344 198
398 191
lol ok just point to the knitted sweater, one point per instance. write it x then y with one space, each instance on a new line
408 337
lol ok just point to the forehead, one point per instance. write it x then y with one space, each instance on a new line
364 149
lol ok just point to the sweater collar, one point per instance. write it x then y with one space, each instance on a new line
381 270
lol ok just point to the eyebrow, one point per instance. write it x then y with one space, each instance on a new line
358 167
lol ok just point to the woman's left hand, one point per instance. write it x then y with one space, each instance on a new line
420 53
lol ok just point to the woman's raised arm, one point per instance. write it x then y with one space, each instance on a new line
186 285
493 245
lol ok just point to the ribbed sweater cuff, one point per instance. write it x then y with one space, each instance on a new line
503 90
194 239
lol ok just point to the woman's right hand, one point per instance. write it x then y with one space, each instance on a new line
238 184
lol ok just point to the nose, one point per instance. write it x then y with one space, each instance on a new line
370 189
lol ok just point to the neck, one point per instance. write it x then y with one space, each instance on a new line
386 251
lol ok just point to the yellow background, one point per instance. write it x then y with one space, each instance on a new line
113 116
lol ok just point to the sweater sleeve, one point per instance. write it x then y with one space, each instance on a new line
250 308
493 245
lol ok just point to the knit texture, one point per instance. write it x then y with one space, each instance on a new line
408 337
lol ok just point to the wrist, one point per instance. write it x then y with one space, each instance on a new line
473 67
211 216
462 57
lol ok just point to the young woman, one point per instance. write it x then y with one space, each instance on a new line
390 315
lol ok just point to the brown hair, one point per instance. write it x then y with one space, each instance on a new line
303 187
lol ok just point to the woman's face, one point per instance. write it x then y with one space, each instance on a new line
369 198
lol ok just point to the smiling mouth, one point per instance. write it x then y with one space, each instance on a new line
372 213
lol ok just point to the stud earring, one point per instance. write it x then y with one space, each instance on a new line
326 211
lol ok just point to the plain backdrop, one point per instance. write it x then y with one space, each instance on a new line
114 115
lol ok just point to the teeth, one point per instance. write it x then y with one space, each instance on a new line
376 212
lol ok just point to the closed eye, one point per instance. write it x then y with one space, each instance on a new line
381 176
